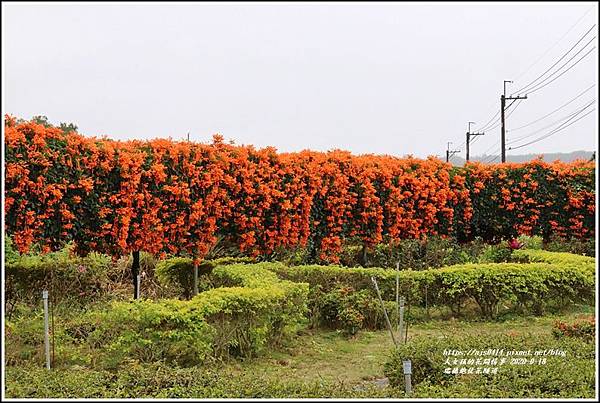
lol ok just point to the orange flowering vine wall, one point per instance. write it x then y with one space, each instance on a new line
164 196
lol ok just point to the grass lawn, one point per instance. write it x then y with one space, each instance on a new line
316 363
331 356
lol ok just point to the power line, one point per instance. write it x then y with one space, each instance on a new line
558 129
503 118
491 124
495 151
485 127
475 139
498 124
507 115
556 110
564 64
565 119
521 90
494 159
560 75
552 124
555 43
535 85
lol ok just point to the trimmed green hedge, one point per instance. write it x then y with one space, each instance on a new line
66 276
529 285
160 381
557 258
256 309
570 376
178 272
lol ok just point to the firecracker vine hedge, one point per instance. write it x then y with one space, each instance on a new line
176 197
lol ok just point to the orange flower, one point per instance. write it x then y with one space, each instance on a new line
169 196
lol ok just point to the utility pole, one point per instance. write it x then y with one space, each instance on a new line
503 99
469 134
450 153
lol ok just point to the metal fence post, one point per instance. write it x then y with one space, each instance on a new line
46 329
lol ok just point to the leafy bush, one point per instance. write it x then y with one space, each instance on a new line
178 272
350 310
583 328
62 187
499 253
534 381
256 309
160 381
585 247
10 253
557 258
413 254
527 285
531 242
66 276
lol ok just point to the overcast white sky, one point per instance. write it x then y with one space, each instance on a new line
370 78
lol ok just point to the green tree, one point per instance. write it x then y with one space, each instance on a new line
42 120
67 128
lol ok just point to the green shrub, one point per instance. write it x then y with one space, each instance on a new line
557 258
348 309
255 310
415 254
336 311
499 253
66 276
529 286
585 247
160 381
583 328
290 256
23 339
10 253
531 242
512 380
178 273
